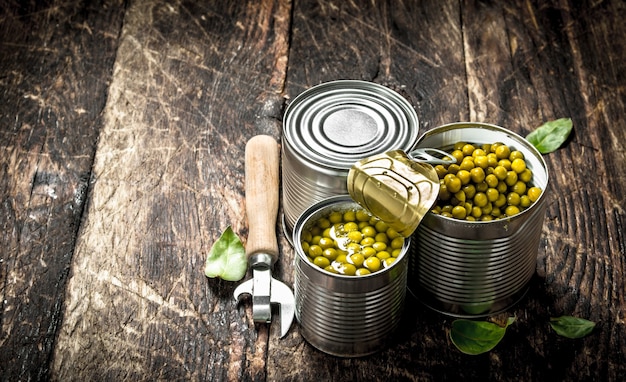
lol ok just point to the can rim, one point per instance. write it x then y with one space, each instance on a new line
310 212
492 127
315 106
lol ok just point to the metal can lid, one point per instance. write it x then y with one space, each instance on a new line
337 123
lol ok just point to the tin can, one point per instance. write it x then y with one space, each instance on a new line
329 127
346 316
473 269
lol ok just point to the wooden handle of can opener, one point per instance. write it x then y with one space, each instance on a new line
261 172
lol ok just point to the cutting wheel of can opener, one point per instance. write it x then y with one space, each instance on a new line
397 187
261 177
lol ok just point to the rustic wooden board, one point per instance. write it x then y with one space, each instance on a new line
55 63
536 72
524 65
192 82
109 209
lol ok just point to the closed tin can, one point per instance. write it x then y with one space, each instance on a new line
477 268
347 316
329 127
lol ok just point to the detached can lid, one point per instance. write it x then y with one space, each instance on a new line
337 123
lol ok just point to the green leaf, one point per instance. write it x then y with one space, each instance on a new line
572 327
227 258
477 337
551 135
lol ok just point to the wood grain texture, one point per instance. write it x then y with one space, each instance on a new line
122 134
55 63
262 165
191 84
415 49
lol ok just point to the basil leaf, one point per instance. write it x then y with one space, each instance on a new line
227 258
551 135
572 327
477 337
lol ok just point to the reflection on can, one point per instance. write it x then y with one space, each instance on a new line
478 268
347 316
329 127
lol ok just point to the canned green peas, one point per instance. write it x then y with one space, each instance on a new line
487 182
351 242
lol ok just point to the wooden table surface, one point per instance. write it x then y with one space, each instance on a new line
122 134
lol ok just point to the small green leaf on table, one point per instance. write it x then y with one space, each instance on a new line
551 135
227 258
572 327
477 337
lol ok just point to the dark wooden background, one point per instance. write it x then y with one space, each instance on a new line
122 133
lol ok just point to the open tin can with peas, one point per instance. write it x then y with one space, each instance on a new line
476 252
349 300
372 215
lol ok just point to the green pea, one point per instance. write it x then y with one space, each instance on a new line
534 193
459 212
347 269
512 210
392 233
362 216
349 216
368 252
326 242
453 183
503 152
513 199
397 242
335 217
492 194
367 241
369 231
372 263
357 259
480 199
519 187
382 237
511 178
379 246
355 236
518 165
388 261
321 261
382 255
381 226
330 253
477 174
315 251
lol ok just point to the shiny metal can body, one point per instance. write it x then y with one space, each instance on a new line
329 127
346 316
474 269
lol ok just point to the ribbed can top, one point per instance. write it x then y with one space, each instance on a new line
337 123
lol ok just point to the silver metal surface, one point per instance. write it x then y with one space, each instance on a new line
473 269
347 316
330 126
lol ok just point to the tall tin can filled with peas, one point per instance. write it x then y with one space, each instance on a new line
476 252
349 301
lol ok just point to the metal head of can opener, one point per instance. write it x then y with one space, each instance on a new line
397 187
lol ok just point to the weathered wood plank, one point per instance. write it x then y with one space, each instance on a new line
553 75
524 65
56 60
192 82
415 49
